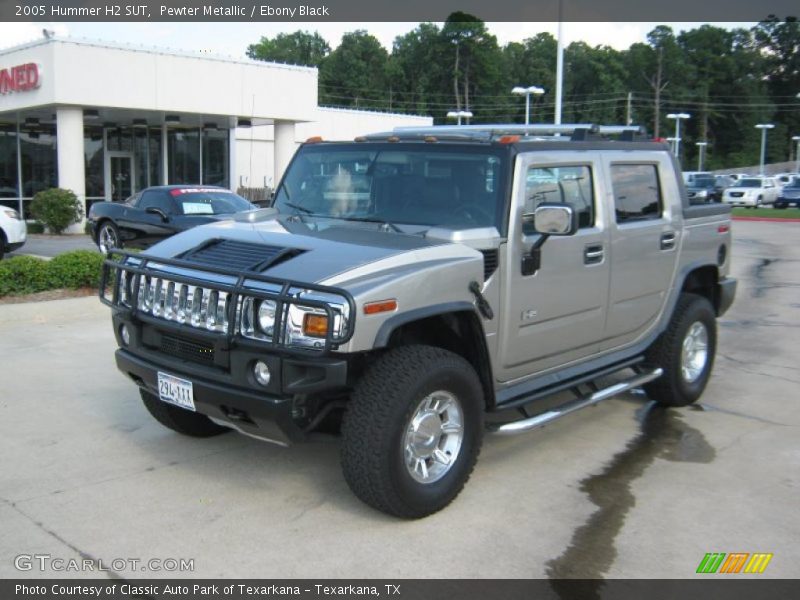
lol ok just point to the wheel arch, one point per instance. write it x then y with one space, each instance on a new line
454 327
703 281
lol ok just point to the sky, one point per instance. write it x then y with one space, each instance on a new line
232 39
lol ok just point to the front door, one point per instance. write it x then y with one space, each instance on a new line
558 314
119 176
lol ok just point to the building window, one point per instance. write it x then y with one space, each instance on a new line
93 157
39 159
9 174
215 157
154 155
637 195
184 155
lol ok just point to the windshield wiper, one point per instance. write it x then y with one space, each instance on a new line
299 208
387 224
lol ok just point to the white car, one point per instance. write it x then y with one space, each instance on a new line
13 231
751 192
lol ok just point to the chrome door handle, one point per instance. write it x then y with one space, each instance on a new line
593 254
668 240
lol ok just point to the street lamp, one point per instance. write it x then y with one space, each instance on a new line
763 127
796 139
701 147
671 141
678 118
527 91
457 114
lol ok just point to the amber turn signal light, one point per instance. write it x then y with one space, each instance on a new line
315 325
373 308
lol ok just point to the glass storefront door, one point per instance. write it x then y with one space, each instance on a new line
119 176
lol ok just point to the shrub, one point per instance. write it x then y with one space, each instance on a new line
35 227
79 268
24 275
56 208
28 275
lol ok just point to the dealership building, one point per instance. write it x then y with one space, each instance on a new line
106 120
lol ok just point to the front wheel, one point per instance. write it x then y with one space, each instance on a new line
108 237
412 431
685 351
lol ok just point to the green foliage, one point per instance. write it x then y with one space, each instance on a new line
298 48
35 227
28 275
76 269
727 80
23 275
56 208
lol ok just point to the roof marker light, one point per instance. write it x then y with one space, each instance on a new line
508 139
314 139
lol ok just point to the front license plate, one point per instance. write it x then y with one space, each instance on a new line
176 391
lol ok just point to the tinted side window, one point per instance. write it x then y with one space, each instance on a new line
563 185
157 199
637 194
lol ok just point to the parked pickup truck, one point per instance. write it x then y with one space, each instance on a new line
411 290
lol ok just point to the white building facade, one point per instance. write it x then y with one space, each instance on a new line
106 120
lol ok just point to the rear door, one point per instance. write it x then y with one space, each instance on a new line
557 314
646 220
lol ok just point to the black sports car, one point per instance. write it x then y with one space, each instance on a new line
158 212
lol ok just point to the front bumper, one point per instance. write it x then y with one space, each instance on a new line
16 232
224 387
788 201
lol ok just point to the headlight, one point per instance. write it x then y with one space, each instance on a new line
266 317
11 214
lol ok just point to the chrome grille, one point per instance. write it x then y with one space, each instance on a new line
200 307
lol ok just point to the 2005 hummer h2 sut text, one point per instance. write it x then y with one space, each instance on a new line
412 289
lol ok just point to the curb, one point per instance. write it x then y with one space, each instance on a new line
769 219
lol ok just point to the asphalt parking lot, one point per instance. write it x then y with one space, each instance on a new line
622 490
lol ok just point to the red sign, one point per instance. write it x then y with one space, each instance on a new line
21 78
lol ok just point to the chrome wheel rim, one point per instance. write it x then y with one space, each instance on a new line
694 354
108 239
433 437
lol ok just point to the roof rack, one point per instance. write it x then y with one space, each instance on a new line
488 132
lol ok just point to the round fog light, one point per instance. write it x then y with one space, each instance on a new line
261 373
125 334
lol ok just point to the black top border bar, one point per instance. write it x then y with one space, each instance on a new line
360 11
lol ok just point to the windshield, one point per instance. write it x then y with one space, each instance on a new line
703 181
193 201
748 183
411 184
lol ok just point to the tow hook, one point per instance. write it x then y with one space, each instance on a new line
483 304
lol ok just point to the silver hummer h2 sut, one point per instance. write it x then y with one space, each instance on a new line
412 289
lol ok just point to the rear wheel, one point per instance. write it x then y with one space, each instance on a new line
179 419
685 351
412 431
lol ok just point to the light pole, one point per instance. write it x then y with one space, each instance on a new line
796 139
701 148
527 91
671 141
763 127
457 114
678 118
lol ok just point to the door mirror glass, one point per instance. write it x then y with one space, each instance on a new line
554 219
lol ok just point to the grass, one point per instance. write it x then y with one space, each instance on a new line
774 213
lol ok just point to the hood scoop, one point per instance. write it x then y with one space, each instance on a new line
239 256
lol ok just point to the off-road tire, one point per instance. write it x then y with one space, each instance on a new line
2 244
179 419
672 388
378 415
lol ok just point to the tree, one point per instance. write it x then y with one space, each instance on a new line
355 74
474 55
416 70
526 63
298 48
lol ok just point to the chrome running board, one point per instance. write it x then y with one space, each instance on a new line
545 418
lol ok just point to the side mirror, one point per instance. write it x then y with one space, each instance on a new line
152 210
548 219
555 219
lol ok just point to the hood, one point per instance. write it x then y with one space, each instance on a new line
316 252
